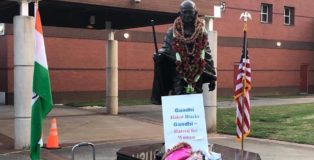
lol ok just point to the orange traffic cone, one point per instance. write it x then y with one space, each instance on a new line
53 140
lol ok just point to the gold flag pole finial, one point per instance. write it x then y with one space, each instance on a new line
245 16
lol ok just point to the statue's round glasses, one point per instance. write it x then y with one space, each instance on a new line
188 12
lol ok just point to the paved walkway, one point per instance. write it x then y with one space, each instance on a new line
135 125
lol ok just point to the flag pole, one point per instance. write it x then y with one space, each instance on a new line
245 16
244 84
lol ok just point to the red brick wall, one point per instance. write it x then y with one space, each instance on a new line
205 6
3 63
302 30
76 64
10 65
271 67
79 64
135 66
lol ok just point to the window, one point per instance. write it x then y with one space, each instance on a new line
288 15
266 13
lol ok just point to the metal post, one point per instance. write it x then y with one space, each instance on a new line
24 48
112 74
210 98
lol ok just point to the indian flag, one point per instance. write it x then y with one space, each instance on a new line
41 100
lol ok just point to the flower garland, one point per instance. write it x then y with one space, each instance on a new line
189 64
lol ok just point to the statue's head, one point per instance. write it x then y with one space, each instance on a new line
188 11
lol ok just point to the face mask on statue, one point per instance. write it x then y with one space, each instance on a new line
187 11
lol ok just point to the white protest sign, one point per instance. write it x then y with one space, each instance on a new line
184 121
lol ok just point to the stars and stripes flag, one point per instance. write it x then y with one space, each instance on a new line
242 96
42 99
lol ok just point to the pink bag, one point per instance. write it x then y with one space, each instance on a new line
181 151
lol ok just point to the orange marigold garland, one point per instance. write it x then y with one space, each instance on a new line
190 64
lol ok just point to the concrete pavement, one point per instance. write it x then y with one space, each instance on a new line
133 126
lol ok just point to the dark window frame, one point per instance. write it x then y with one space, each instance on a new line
268 13
288 15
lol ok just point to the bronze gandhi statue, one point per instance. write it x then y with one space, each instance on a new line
184 62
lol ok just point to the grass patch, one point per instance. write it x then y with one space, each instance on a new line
82 104
282 96
293 123
227 98
133 101
122 102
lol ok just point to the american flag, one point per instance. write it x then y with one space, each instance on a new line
242 96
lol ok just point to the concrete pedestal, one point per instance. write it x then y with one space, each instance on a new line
210 98
112 77
210 104
24 49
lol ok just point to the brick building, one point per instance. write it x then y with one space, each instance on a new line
281 48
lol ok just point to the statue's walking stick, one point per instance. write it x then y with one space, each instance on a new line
158 87
154 35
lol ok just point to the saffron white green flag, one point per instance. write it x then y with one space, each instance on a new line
42 99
